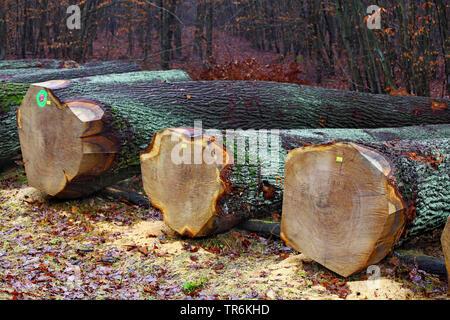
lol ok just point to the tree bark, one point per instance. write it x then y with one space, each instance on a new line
196 194
165 35
422 262
271 105
11 95
346 205
445 241
209 28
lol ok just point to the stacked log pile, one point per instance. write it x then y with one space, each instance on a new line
347 190
11 93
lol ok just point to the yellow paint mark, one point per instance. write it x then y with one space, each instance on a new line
339 159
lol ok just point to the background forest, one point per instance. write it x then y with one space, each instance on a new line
325 42
345 198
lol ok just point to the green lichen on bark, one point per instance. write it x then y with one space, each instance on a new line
11 95
248 180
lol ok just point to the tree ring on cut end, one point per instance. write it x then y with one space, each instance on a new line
340 206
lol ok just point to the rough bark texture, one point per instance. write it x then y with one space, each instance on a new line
445 241
11 95
39 75
265 105
250 188
31 63
345 205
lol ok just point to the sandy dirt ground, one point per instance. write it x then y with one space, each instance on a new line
100 249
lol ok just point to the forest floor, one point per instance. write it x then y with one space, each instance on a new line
100 249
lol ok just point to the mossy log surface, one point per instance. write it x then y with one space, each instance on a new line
32 75
11 95
346 205
31 63
250 187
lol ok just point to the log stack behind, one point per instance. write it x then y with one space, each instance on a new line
31 63
206 197
129 115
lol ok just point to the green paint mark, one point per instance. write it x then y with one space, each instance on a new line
41 98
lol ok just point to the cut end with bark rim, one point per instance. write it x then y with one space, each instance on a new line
186 193
341 206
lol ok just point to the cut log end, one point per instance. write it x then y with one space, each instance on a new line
445 241
182 182
61 142
342 196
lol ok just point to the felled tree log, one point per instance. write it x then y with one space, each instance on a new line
32 75
445 241
11 95
345 205
195 199
267 105
15 82
132 113
31 63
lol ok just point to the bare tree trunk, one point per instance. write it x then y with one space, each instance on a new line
3 34
209 29
445 39
165 32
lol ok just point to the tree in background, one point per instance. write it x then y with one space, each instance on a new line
407 55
